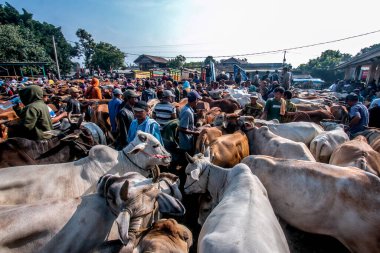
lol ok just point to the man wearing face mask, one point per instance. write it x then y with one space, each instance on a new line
125 117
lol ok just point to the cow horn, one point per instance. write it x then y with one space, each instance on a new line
156 174
124 191
189 158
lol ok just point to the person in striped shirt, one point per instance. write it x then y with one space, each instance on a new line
164 111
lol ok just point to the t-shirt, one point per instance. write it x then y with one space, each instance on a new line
186 120
273 107
148 126
57 124
359 110
113 110
163 111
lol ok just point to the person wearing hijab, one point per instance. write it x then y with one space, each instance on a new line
94 91
34 117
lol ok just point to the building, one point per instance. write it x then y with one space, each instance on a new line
147 62
364 67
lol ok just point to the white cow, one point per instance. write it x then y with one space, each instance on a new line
324 144
323 199
296 131
243 220
28 184
81 224
263 142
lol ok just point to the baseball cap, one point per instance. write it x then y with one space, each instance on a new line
192 96
140 106
117 92
167 93
130 94
254 95
74 90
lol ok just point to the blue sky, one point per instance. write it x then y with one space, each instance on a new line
215 27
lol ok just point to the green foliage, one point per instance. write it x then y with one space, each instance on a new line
37 34
193 65
107 56
177 62
367 49
324 66
86 46
208 59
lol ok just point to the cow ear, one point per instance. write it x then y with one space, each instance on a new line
195 174
122 221
170 205
189 158
130 149
124 191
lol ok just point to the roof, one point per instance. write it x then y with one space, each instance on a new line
155 59
362 58
232 60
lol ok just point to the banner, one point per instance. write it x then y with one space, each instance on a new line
242 72
212 69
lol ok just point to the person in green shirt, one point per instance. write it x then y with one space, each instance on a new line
253 109
34 117
275 107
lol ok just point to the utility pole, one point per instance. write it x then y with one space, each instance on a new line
56 59
284 60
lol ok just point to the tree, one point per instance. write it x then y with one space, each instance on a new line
193 65
367 49
107 56
177 62
86 46
324 66
208 59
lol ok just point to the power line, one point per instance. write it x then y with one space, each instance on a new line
275 51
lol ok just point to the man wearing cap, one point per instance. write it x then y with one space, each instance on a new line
114 108
73 105
143 123
253 109
164 111
186 123
359 115
275 107
125 117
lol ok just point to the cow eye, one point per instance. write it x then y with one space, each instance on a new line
156 146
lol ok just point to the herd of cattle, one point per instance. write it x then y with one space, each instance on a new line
254 177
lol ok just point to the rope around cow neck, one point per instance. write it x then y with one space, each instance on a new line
129 159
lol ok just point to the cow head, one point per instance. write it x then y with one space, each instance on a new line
135 203
197 173
147 151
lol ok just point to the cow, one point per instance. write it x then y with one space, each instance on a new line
315 116
323 199
226 105
28 184
206 136
243 219
263 142
357 153
228 150
296 131
323 145
82 224
340 113
166 235
372 135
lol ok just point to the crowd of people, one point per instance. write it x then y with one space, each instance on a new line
129 111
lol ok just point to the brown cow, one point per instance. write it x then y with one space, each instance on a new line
315 116
206 136
228 150
226 105
357 153
340 113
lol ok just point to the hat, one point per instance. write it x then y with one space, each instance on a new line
186 85
74 90
167 93
140 106
117 92
193 96
130 94
254 95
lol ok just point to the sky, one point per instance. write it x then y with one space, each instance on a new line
198 28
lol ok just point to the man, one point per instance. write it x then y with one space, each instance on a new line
164 111
253 109
360 97
290 107
34 117
359 116
73 105
114 108
55 119
186 123
125 117
94 91
143 122
256 78
275 107
148 93
274 77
